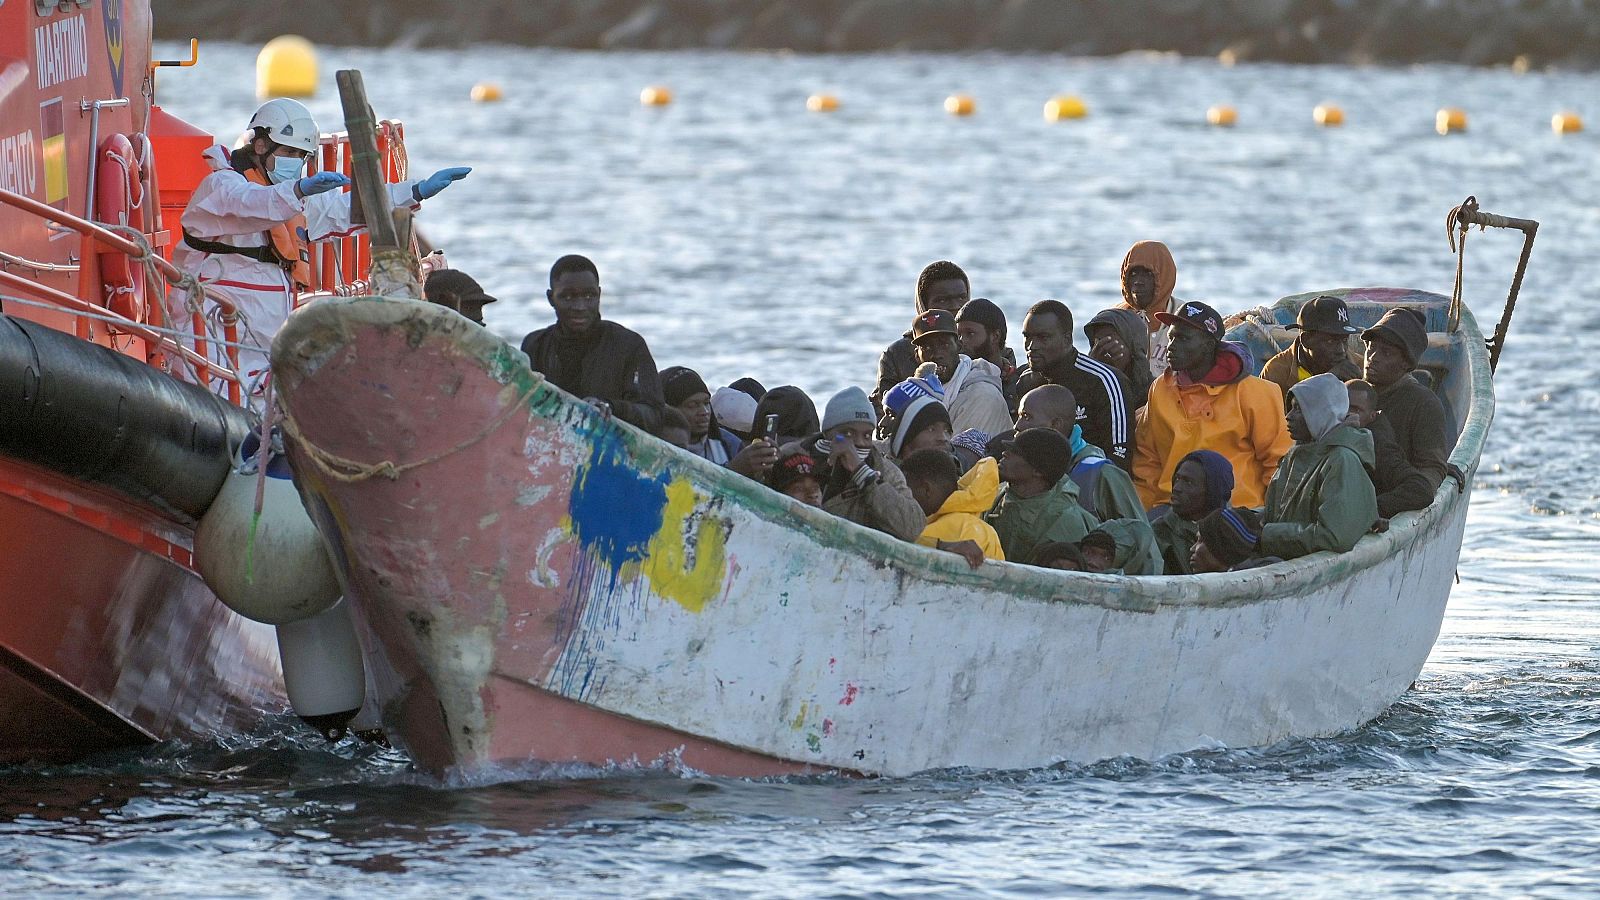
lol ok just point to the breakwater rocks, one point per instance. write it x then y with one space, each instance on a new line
1564 33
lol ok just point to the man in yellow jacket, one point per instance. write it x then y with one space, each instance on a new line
1208 400
955 507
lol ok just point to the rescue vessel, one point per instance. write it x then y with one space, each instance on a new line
109 636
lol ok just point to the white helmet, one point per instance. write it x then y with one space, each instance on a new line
287 122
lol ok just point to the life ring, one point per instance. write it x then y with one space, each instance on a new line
119 200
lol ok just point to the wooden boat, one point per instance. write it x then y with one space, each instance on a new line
551 585
108 635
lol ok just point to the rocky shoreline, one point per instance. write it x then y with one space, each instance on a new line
1536 33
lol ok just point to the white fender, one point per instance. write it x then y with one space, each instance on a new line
322 669
283 573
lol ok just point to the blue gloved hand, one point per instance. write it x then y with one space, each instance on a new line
438 181
320 182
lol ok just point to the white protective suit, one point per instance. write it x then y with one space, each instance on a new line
230 209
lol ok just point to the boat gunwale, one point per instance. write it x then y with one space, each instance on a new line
1297 577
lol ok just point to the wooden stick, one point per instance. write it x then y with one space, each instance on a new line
393 268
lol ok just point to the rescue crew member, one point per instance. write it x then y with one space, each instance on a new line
247 225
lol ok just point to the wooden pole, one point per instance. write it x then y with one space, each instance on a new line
393 270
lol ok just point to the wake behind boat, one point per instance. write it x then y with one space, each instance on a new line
554 585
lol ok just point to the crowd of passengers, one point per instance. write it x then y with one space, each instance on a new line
1155 451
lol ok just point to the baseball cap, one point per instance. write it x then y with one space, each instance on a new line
456 282
1326 314
1194 314
934 321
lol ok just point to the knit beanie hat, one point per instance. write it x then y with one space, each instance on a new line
982 311
1046 450
849 405
734 409
968 447
1219 476
1231 533
904 408
1403 327
923 414
679 383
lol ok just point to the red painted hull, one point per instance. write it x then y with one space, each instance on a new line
108 637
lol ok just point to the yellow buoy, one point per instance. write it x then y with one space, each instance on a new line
1450 119
1566 123
822 103
486 92
1069 106
655 95
1328 115
1224 116
960 105
286 67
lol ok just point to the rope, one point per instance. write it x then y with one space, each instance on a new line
1452 222
348 470
118 320
263 457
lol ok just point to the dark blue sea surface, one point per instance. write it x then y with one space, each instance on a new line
745 236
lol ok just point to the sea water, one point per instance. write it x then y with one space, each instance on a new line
743 235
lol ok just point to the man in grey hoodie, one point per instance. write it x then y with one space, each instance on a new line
1321 497
972 389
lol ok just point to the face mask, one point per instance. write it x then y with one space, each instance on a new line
285 168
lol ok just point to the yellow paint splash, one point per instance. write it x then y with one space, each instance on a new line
667 565
800 720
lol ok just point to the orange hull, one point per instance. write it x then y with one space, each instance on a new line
107 635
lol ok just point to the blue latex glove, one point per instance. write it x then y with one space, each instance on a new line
320 182
438 181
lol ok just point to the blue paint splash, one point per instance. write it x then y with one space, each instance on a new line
615 510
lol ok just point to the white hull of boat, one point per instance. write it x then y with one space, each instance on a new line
551 586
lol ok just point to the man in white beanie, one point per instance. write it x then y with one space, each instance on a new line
860 483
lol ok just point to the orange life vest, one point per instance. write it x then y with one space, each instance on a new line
288 242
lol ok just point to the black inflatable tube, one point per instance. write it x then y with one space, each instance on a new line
96 415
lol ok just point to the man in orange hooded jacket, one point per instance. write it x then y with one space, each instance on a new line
1208 400
1148 277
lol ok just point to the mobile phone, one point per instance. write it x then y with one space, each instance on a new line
769 427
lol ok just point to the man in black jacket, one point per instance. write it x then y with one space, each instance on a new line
1104 408
602 362
941 285
1394 347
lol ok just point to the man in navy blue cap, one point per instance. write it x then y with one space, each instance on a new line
1322 345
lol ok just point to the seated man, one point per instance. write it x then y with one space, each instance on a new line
941 285
981 325
686 392
859 481
602 362
1121 547
795 475
1105 409
955 504
915 417
1227 541
1202 483
1325 329
1413 413
1400 486
1039 503
1321 497
797 415
456 290
1104 490
1208 400
1121 339
972 390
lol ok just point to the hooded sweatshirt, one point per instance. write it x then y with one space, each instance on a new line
1154 256
1024 524
1131 328
960 517
1322 497
1136 552
1104 490
797 415
976 398
1229 411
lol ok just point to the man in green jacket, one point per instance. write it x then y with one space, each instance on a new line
1038 504
1321 497
1106 492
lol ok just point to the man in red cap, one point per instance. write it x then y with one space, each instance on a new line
972 388
1322 345
1208 400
